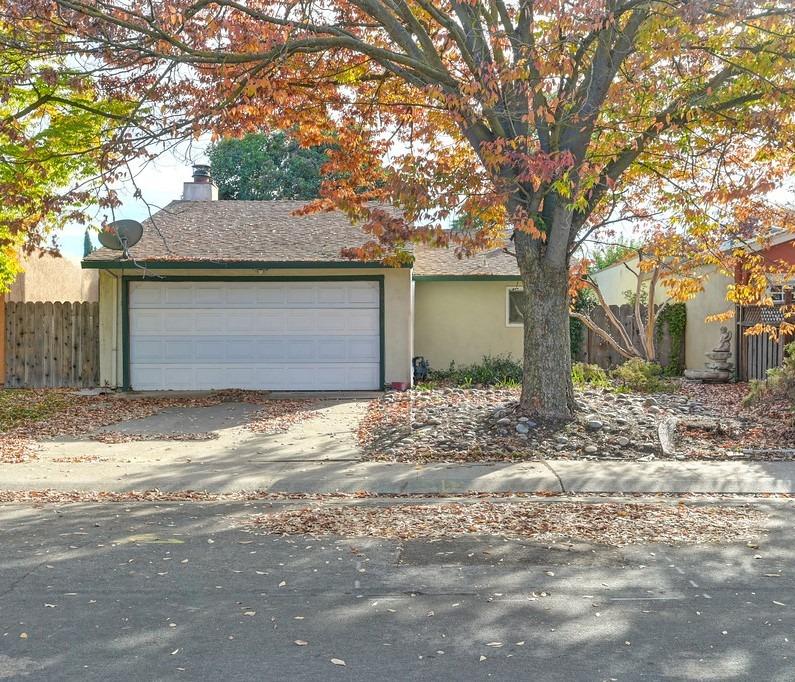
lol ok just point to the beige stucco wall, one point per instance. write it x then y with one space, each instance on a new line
50 278
397 314
700 336
461 321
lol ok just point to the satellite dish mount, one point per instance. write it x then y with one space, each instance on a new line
121 235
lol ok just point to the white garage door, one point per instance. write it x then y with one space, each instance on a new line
256 335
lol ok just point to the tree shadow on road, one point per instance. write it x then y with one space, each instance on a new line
181 591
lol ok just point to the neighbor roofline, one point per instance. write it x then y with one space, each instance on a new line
229 265
467 278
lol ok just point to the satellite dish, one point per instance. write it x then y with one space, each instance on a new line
120 235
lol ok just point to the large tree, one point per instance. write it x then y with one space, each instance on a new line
540 121
266 166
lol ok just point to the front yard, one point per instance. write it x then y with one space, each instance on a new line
438 424
692 421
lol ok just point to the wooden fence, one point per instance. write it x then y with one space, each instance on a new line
51 344
595 350
759 353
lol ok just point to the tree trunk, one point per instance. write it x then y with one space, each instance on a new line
547 389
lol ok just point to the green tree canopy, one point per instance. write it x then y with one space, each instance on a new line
53 127
266 166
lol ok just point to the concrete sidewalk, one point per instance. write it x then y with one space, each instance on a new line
248 473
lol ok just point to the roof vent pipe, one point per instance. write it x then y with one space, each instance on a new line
201 173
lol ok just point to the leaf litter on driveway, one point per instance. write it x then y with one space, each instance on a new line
81 416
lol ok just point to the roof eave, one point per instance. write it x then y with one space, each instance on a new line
121 264
467 278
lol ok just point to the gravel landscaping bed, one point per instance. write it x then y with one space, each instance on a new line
605 523
484 424
457 424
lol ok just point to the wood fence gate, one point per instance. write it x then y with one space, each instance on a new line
759 353
52 344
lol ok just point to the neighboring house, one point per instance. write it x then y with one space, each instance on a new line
701 336
45 277
245 294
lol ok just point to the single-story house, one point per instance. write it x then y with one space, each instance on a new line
246 294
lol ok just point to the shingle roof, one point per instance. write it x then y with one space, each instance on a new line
430 262
219 231
269 231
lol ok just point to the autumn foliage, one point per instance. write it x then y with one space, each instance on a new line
537 123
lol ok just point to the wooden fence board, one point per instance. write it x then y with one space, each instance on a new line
51 345
597 351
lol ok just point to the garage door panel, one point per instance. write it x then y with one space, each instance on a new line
333 350
209 321
363 321
330 322
148 295
148 378
238 321
361 376
302 349
179 294
176 349
324 375
299 321
178 321
271 350
179 377
271 295
238 350
302 294
209 294
362 294
259 335
146 350
267 321
365 349
206 350
335 294
146 322
244 296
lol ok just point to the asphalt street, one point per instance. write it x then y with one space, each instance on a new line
184 592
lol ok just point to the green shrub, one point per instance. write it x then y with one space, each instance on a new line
780 382
497 370
640 376
584 375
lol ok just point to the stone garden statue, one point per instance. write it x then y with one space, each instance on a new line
724 345
718 369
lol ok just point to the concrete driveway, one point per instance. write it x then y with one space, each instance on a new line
235 458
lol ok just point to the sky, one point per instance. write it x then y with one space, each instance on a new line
160 182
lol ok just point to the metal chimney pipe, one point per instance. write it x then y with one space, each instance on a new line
201 173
